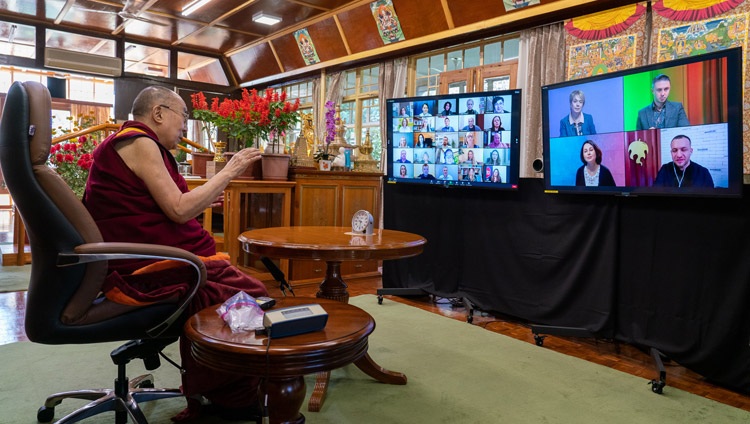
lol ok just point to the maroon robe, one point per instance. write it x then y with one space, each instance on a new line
125 211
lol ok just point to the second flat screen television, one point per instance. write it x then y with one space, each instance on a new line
673 128
456 140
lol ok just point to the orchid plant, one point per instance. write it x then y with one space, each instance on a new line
332 123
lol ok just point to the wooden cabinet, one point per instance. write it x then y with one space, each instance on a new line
250 204
328 198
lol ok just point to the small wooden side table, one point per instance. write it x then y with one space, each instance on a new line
284 363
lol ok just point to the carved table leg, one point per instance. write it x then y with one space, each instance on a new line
333 286
285 398
369 367
318 395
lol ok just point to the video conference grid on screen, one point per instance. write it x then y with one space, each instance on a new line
670 128
455 140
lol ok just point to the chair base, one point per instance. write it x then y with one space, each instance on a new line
139 390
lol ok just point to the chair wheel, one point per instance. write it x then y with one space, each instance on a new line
147 384
539 339
380 299
657 386
45 415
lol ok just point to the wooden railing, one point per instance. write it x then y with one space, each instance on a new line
111 128
20 256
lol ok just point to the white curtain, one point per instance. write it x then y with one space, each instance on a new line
541 62
333 94
392 83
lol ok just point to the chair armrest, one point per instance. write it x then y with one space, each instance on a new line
95 252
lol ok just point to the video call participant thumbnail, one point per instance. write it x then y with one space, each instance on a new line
662 113
682 172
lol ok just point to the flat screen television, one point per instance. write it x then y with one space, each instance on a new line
672 128
455 140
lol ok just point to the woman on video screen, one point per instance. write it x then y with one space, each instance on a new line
593 173
577 122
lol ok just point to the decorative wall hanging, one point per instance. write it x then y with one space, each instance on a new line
693 10
306 46
689 27
511 5
600 57
387 21
616 41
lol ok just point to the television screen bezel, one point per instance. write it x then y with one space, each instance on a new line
515 134
734 131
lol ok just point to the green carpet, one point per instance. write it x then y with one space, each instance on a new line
458 373
14 278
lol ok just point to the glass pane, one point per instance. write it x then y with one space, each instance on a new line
499 83
437 64
17 40
6 79
80 43
457 87
347 113
198 68
80 89
146 60
492 53
455 60
375 139
423 67
471 57
422 90
510 49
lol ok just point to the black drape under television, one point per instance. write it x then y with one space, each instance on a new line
664 272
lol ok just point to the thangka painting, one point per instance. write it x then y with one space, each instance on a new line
511 5
700 37
602 56
306 46
387 21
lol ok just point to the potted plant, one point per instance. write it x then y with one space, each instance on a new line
323 155
252 118
72 158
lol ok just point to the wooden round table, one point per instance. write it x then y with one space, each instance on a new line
284 363
333 245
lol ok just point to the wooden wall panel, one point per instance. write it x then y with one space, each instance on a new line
360 29
480 10
288 51
326 38
255 63
424 17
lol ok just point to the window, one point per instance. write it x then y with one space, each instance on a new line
145 60
21 40
360 109
197 68
429 66
302 90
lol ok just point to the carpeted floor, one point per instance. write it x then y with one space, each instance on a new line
14 278
458 373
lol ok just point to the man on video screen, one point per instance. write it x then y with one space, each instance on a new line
682 172
662 113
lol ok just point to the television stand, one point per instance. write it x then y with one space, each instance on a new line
558 331
399 291
657 386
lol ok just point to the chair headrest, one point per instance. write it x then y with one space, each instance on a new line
40 122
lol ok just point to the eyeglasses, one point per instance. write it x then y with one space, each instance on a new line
184 115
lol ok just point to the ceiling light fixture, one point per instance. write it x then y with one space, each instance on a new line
266 19
192 7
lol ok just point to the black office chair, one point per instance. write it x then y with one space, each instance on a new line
69 264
